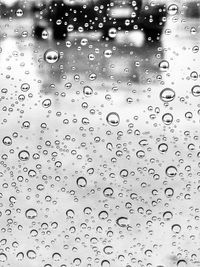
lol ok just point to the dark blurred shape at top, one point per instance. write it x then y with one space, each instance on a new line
108 16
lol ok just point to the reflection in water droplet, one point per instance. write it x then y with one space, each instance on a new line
24 155
51 56
167 95
113 119
31 214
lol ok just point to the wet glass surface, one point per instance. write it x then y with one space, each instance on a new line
99 144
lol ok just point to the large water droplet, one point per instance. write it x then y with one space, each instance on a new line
108 192
3 257
7 141
51 56
113 119
25 87
31 214
164 65
87 91
172 9
167 215
176 228
163 147
171 171
167 118
24 155
46 103
122 221
196 90
167 95
31 254
81 182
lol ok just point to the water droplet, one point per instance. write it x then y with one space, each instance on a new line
113 119
181 263
45 34
112 32
167 118
176 228
77 261
164 65
108 250
25 87
167 95
108 53
51 56
7 141
124 173
172 9
171 171
31 254
103 215
3 257
70 214
56 256
19 12
169 192
108 192
163 147
31 214
167 215
105 263
46 103
81 182
87 91
196 90
24 155
122 221
195 49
